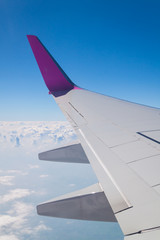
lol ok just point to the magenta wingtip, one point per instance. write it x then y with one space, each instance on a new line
31 35
55 78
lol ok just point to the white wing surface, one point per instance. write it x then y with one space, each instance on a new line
121 140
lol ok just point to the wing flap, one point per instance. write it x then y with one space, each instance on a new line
73 153
87 204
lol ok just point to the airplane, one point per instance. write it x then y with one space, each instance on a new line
121 141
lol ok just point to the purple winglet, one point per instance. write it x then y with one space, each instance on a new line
55 78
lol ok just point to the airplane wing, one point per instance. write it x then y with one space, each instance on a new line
121 141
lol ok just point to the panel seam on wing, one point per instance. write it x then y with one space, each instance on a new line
75 109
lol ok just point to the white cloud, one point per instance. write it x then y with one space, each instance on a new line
43 176
33 166
21 212
41 227
6 180
72 185
15 194
6 220
21 209
34 230
17 220
14 171
20 219
9 237
34 135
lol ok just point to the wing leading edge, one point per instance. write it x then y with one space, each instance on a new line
111 132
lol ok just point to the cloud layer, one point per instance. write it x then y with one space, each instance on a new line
19 175
34 134
26 182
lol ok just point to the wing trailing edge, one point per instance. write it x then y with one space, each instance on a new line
87 204
72 153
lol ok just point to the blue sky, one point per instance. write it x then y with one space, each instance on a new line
111 47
